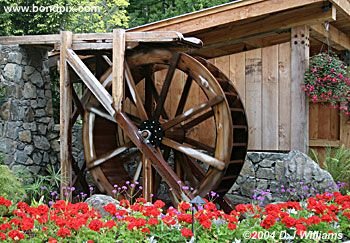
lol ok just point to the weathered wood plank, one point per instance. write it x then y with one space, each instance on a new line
299 106
335 123
270 111
224 64
65 114
284 100
338 39
324 124
237 73
324 143
313 120
253 70
344 130
118 68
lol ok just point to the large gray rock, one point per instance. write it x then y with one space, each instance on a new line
29 91
98 201
41 142
280 176
13 72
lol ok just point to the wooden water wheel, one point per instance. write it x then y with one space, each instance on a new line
208 159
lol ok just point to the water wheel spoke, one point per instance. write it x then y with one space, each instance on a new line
101 113
156 97
192 112
147 178
134 118
105 80
138 172
201 118
166 86
134 94
184 96
194 153
149 93
185 169
158 162
105 157
198 145
77 102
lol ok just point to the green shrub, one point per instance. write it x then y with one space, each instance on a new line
336 161
10 185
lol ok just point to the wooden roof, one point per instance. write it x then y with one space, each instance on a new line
249 24
229 28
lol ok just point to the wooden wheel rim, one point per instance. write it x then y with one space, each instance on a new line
211 88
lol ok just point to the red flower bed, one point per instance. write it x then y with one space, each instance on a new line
328 215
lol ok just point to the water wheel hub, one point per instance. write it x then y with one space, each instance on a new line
152 132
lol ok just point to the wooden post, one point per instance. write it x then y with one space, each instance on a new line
299 106
118 68
65 113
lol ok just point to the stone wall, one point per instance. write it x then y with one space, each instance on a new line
28 137
279 177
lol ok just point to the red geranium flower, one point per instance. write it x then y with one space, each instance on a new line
5 202
16 235
184 206
95 225
231 226
63 232
146 230
268 222
2 236
153 221
185 232
52 240
159 204
110 208
110 224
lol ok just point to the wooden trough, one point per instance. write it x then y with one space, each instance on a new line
129 134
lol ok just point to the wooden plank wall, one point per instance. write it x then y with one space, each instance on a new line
263 77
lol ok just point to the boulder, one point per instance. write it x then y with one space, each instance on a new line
98 201
281 176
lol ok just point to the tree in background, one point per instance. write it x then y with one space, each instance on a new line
147 11
112 14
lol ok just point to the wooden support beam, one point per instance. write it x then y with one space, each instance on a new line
337 39
299 106
343 6
90 81
324 143
65 114
118 59
100 41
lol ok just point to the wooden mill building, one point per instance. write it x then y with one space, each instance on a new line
263 46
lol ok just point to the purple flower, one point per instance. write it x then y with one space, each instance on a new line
124 187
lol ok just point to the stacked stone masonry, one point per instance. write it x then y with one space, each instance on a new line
28 137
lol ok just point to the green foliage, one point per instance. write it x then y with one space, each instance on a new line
20 23
143 12
112 14
44 186
10 185
97 16
336 161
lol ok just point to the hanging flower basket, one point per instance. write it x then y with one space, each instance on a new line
326 80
